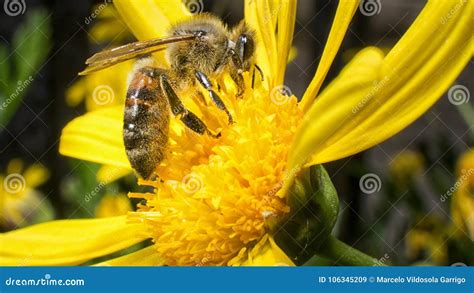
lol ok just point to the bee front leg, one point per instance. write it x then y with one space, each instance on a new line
239 81
189 119
206 83
256 67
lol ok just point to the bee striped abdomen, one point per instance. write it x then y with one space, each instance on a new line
146 121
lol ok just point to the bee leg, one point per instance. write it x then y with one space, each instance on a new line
177 108
256 67
194 123
239 80
237 75
253 78
204 81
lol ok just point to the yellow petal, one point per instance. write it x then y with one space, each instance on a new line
351 116
76 93
107 87
96 137
35 175
268 254
107 174
286 27
112 205
462 202
108 27
261 16
415 80
67 242
149 19
15 166
144 257
344 13
462 210
274 23
293 54
334 108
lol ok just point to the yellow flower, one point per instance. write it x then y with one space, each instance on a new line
216 197
462 204
18 198
111 205
108 26
405 167
100 89
107 87
429 240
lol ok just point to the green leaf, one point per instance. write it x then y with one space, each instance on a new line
467 113
83 190
343 254
4 72
30 46
44 212
314 206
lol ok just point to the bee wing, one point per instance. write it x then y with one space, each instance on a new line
116 55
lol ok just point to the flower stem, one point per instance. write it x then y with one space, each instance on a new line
467 113
343 254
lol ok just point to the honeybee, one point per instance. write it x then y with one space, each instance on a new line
198 50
